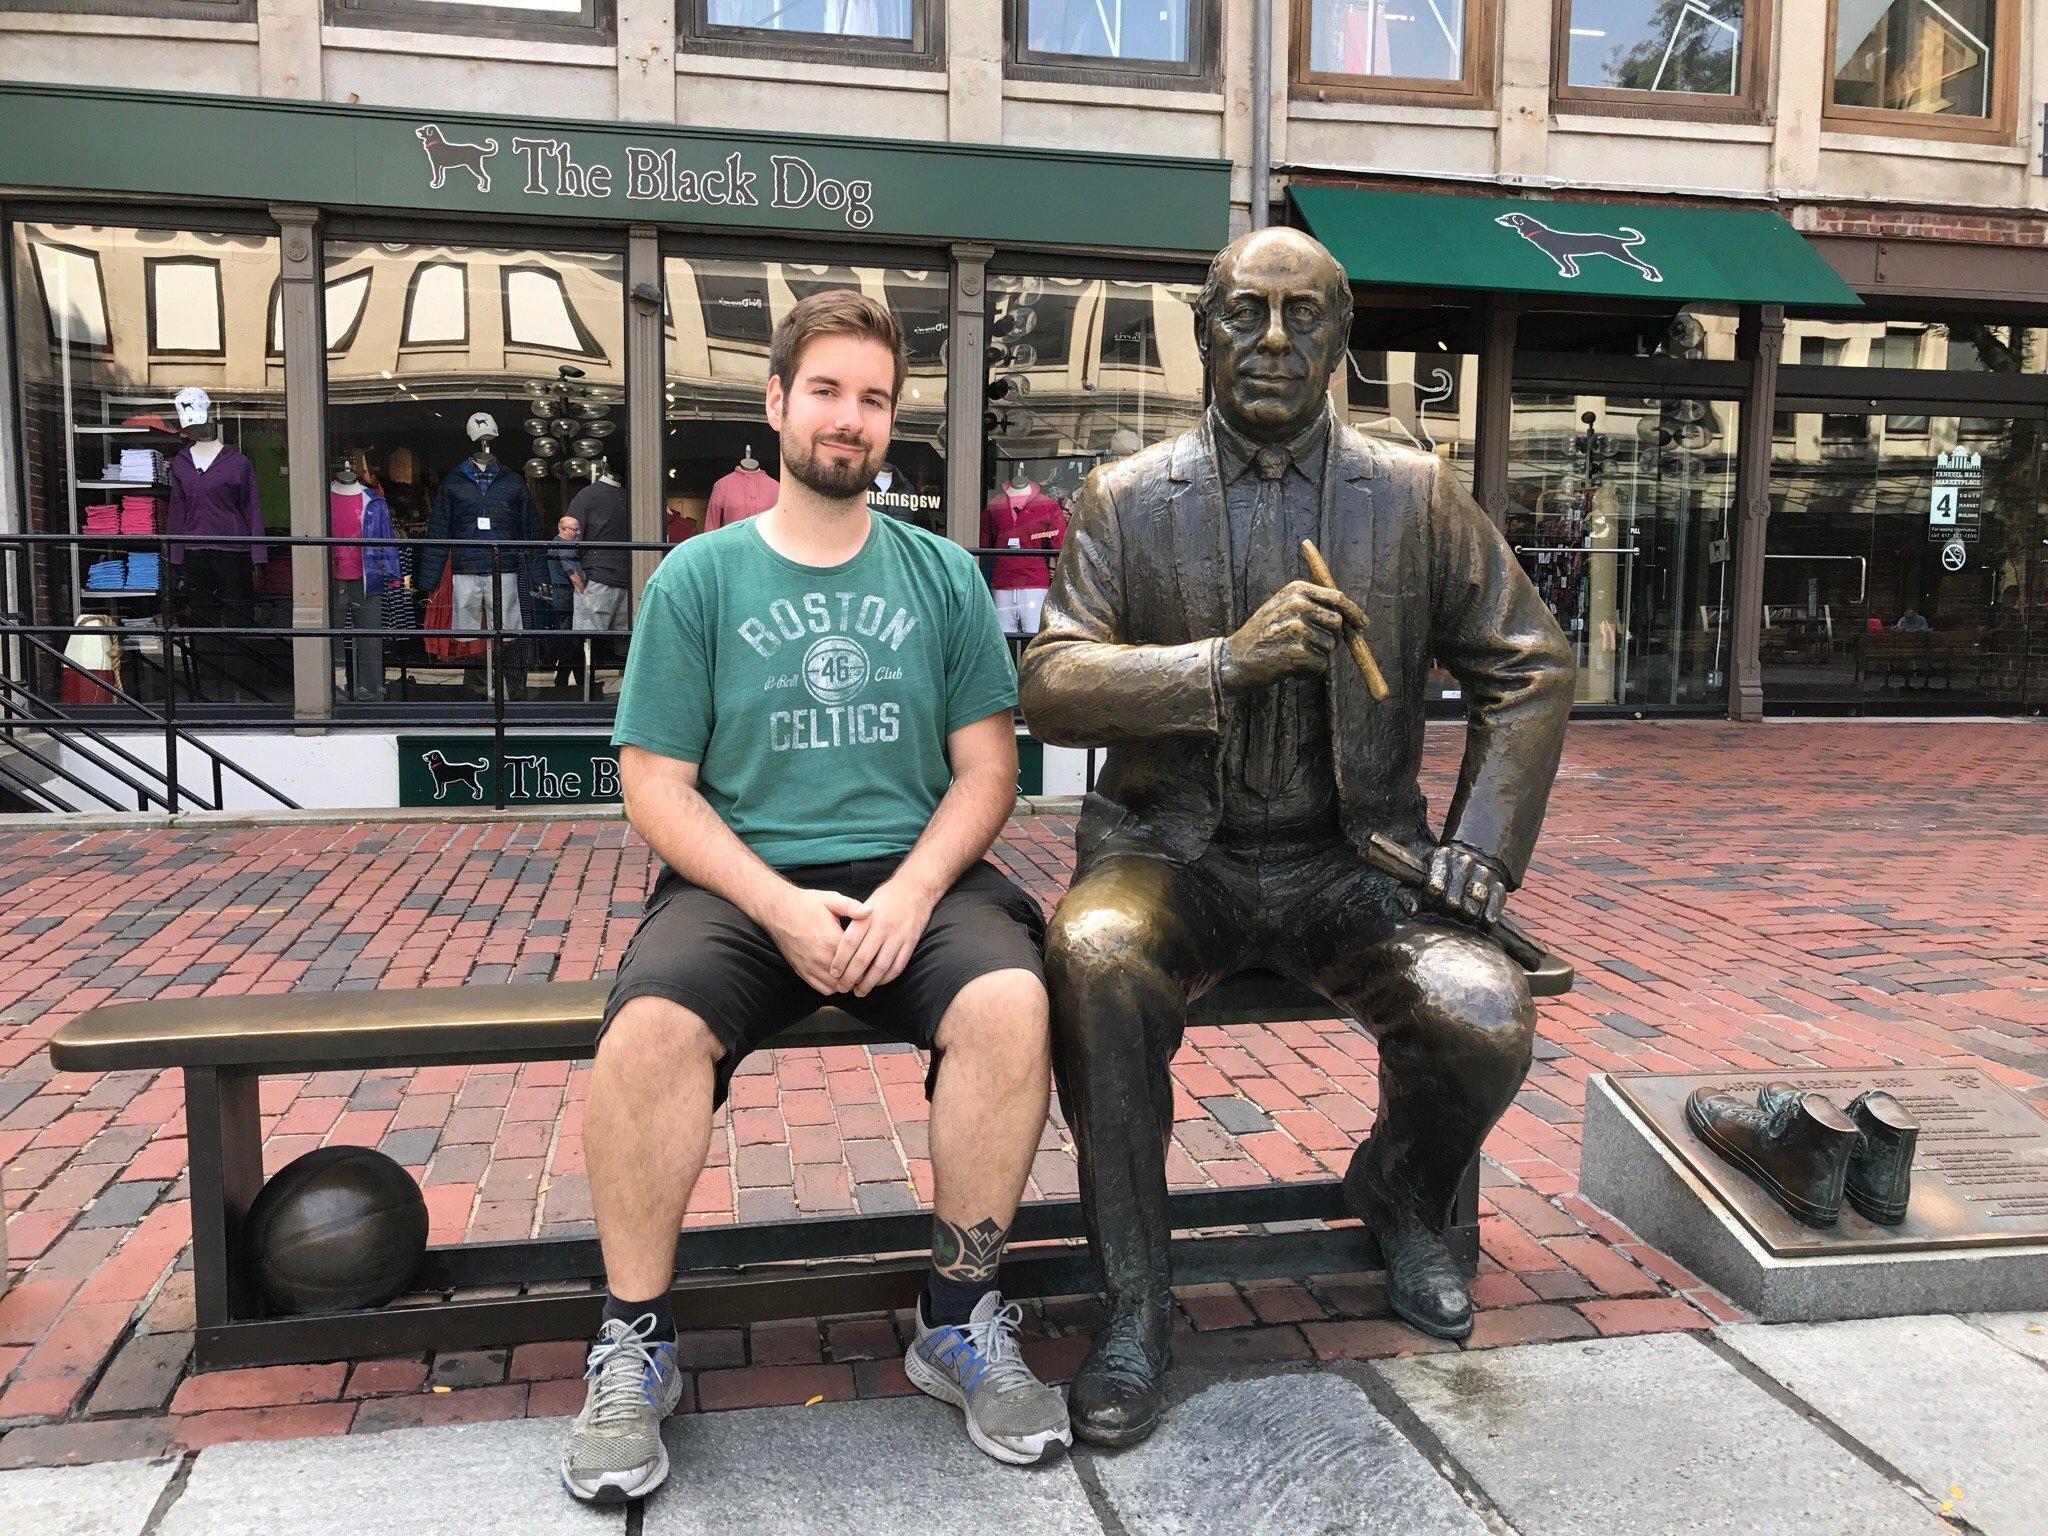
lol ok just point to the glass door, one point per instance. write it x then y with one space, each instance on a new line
1622 510
1905 565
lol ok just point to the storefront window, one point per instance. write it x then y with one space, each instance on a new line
1664 47
1932 58
1622 510
1693 333
1413 380
445 351
1387 39
111 324
1905 568
1083 372
1156 31
720 459
1952 344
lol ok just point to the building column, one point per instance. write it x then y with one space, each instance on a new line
647 60
1802 85
1496 406
966 382
1762 340
646 371
288 49
1522 93
305 417
974 71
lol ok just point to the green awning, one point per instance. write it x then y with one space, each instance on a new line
1613 250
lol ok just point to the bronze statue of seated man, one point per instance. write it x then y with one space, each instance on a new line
1245 772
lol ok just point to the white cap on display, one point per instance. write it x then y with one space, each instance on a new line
482 425
195 406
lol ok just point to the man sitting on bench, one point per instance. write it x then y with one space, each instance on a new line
816 739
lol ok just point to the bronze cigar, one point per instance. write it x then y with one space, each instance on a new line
1361 653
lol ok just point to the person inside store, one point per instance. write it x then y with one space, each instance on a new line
599 606
816 737
1911 619
484 519
359 573
213 494
558 596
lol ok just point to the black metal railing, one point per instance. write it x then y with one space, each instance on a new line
184 661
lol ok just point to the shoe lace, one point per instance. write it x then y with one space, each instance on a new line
623 1370
997 1360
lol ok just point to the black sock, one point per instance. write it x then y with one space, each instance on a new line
953 1301
630 1313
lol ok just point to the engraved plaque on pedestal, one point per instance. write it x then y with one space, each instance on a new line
1980 1178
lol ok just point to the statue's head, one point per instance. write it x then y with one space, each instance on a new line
1272 324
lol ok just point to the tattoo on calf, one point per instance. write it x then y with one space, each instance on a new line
967 1253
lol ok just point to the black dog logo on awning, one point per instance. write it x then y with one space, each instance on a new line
444 155
1565 246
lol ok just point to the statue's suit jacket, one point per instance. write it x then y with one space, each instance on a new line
1128 655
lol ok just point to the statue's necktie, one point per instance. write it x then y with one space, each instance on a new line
1266 769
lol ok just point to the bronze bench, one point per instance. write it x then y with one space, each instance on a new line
726 1276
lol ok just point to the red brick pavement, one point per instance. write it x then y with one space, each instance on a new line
1809 894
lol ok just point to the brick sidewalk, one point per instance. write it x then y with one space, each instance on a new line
1811 894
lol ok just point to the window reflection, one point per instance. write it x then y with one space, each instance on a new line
111 324
1665 46
431 337
833 18
1931 57
1155 30
1388 39
721 459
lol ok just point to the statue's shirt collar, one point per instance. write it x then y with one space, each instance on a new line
1237 455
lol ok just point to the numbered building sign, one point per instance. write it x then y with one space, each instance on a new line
1955 501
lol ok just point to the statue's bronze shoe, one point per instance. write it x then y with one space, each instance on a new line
1425 1287
1120 1389
1881 1163
1796 1145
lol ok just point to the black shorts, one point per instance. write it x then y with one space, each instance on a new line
697 949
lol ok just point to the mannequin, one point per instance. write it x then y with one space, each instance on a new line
484 519
598 612
358 574
1021 516
213 492
747 490
897 493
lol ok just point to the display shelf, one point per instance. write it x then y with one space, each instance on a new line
154 487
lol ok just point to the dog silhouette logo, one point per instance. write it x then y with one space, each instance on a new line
445 154
1565 246
448 774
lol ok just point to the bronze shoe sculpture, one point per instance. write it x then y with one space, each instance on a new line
1881 1162
1119 1391
1796 1145
1424 1285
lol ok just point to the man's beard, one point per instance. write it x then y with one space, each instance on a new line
834 479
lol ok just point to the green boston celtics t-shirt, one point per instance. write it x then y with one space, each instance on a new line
816 700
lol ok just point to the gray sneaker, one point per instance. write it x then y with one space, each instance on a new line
976 1367
615 1451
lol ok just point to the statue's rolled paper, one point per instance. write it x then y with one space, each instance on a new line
1319 572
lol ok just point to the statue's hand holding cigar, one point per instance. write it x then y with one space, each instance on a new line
1292 634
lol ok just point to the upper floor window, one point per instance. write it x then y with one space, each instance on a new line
847 31
1661 53
184 305
557 20
1381 49
1162 42
1942 68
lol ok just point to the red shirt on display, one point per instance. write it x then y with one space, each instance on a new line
1035 521
740 495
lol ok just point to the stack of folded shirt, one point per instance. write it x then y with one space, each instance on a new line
102 520
138 514
107 576
142 573
144 464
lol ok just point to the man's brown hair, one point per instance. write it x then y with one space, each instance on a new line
835 312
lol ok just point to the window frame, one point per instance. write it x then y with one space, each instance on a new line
243 11
1199 72
99 272
1747 105
597 22
150 266
1473 88
925 49
412 293
1998 128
